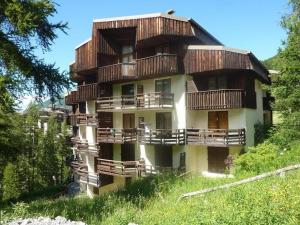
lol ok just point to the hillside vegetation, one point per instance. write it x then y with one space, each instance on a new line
154 200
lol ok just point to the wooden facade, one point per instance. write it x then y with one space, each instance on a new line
132 50
220 99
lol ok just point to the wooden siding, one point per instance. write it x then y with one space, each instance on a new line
220 99
85 59
197 61
116 72
215 137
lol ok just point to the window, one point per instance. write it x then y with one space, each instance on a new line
219 82
163 86
127 54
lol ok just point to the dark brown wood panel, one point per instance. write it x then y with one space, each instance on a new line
216 159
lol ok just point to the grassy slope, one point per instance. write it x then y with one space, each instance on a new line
154 201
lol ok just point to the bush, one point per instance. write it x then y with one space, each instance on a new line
266 157
11 183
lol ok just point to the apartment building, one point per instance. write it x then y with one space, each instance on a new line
158 92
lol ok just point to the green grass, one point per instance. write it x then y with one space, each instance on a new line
154 200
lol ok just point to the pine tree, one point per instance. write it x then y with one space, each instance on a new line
11 182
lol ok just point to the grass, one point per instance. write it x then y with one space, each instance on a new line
154 200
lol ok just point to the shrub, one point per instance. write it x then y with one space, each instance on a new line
266 157
11 182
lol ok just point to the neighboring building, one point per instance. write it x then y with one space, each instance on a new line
61 114
157 92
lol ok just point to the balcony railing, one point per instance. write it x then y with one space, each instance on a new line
91 179
120 168
156 65
220 99
71 98
79 167
87 92
143 67
83 119
215 137
153 100
162 136
116 135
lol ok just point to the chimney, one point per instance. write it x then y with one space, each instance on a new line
170 11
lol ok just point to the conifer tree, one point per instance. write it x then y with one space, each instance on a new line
11 182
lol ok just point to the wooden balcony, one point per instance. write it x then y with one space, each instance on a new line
215 137
144 67
83 119
87 92
71 98
120 168
91 179
220 99
156 65
79 167
116 135
162 136
154 100
117 72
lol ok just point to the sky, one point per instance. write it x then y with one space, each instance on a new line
252 25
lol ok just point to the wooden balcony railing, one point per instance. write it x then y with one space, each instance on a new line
91 179
116 72
73 119
87 92
156 65
120 168
116 135
71 98
162 136
79 167
220 99
151 100
83 119
143 67
215 137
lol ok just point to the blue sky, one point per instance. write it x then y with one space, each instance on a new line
246 24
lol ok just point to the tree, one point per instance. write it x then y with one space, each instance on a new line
48 166
286 86
11 184
24 26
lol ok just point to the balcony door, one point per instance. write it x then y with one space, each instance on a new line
128 94
164 124
216 159
128 120
127 60
218 120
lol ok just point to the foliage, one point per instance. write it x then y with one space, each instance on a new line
273 200
266 157
25 26
272 63
11 182
261 132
